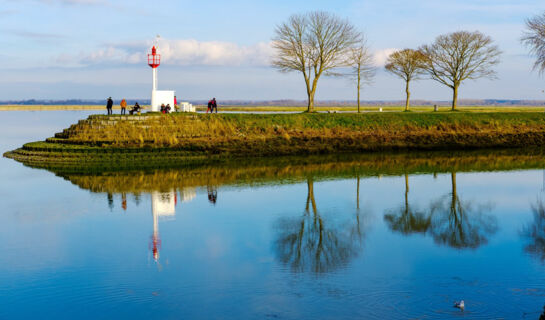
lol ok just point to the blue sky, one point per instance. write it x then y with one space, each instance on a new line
91 49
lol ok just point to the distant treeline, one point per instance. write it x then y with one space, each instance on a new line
463 102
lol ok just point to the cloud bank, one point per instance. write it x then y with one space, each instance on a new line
187 52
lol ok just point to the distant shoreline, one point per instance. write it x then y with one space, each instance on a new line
281 108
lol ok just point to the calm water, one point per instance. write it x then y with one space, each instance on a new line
290 244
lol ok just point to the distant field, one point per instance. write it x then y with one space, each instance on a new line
289 109
376 108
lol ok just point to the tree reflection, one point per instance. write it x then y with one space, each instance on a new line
460 224
406 220
535 232
450 221
310 243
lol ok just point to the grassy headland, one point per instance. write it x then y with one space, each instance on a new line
176 137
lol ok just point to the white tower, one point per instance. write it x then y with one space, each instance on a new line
158 97
154 60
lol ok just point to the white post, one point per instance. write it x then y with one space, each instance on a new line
153 89
154 84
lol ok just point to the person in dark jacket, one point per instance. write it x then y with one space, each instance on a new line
135 109
109 105
214 105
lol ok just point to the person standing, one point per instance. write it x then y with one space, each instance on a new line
210 103
123 105
109 105
214 105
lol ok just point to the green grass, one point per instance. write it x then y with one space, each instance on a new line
153 137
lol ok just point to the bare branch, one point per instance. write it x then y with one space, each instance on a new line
407 64
534 39
314 44
461 55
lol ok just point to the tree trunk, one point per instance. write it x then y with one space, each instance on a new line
408 95
310 107
454 97
359 87
311 93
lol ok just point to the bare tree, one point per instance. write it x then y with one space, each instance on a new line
407 64
360 63
534 39
461 55
314 44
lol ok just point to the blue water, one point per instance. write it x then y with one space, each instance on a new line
252 251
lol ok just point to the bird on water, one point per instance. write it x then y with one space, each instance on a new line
459 305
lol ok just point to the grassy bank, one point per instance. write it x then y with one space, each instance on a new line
195 136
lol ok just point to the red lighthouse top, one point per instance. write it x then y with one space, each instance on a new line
154 59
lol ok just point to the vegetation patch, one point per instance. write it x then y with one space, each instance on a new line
154 138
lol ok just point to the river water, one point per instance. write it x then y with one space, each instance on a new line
325 240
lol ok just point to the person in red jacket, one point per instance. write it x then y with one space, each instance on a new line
210 103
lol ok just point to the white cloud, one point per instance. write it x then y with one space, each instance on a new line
380 56
176 52
188 52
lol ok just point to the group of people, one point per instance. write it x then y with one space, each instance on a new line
212 104
110 103
165 109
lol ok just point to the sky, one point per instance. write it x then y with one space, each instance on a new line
92 49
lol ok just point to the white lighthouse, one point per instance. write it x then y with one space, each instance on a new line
158 97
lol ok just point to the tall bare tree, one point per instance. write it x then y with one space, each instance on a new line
360 63
459 56
407 64
314 44
534 39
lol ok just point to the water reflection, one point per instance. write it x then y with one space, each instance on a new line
449 220
405 219
461 224
535 232
316 240
163 207
311 242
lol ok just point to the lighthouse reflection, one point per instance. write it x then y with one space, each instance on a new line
163 208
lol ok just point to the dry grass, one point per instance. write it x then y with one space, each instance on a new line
313 133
